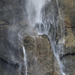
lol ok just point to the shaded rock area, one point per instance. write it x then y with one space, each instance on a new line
11 53
11 57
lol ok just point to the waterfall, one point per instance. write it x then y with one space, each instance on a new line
25 60
56 53
34 12
34 8
24 53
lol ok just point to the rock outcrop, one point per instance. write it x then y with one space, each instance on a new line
68 57
39 55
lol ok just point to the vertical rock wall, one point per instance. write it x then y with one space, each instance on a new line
68 7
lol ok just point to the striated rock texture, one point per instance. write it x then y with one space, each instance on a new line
40 58
67 10
68 7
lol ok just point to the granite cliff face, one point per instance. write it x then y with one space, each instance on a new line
68 6
40 57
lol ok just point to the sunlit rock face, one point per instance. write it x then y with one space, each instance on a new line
68 6
40 57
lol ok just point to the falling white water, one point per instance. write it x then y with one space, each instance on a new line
34 11
25 60
59 10
38 7
55 50
24 53
60 42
